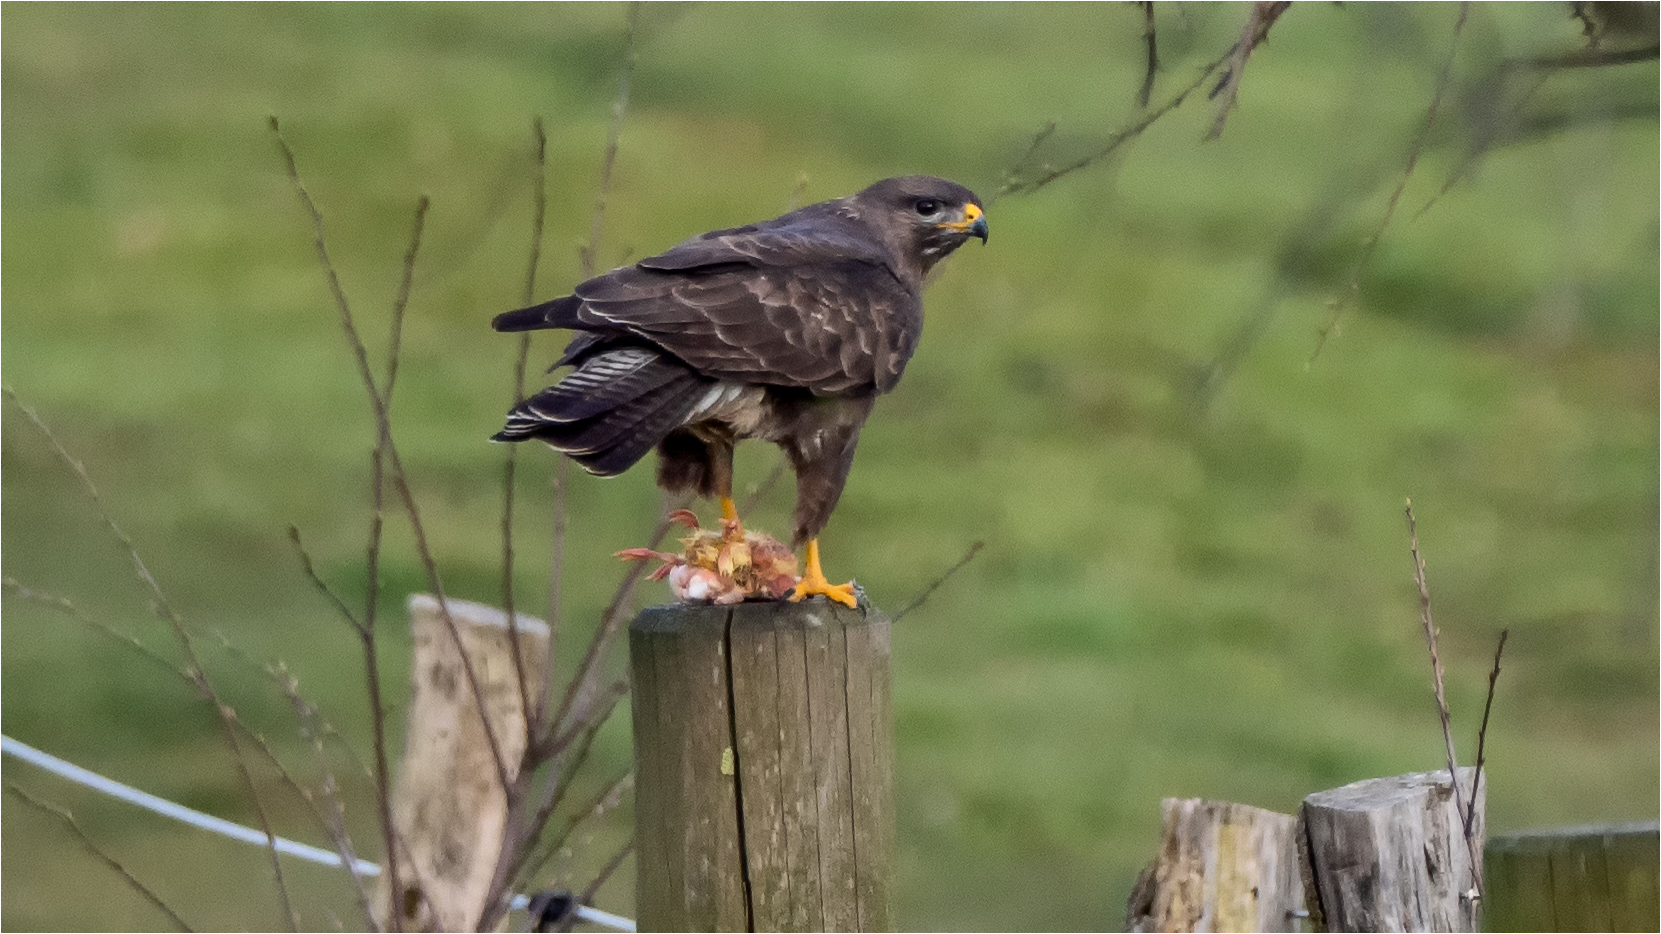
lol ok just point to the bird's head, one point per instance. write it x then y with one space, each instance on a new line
926 218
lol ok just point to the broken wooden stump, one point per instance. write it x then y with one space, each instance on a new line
764 749
448 805
1390 854
1588 878
1221 867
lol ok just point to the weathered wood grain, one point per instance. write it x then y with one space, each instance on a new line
1389 854
686 781
792 830
448 806
1221 867
1585 878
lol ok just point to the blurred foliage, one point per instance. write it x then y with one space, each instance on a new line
1196 578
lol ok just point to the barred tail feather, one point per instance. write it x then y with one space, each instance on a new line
612 410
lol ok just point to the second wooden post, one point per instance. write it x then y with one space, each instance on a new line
764 749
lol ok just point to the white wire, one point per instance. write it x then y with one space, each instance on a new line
218 825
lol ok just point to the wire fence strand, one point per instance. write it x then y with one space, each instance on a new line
114 789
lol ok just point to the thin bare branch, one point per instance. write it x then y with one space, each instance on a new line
604 801
390 845
313 727
1262 17
1028 158
619 107
556 570
68 607
333 818
321 587
1435 657
405 284
68 820
604 875
539 208
400 479
582 683
567 755
1431 631
1353 292
164 609
1017 185
1487 708
317 724
928 591
386 455
764 487
1587 58
1150 37
371 653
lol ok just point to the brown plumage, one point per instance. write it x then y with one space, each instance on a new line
785 330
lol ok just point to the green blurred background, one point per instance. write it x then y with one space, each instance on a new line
1196 578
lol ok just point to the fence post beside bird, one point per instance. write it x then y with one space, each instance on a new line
1392 854
448 804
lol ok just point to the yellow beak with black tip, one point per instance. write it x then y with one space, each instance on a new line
973 223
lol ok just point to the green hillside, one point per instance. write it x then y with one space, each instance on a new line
1195 578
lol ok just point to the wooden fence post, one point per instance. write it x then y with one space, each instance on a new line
1221 867
1592 878
1389 854
764 796
448 805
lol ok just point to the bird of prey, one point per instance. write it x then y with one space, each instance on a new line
786 330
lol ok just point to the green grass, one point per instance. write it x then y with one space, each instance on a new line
1196 578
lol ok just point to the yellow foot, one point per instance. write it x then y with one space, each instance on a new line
813 582
731 529
841 593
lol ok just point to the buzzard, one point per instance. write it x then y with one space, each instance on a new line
786 330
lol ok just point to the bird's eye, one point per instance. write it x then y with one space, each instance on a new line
928 206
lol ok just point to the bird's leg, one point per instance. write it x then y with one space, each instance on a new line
813 582
720 463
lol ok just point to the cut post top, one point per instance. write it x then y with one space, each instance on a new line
768 614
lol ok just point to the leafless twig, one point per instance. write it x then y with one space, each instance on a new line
764 487
334 818
312 720
607 798
619 107
544 734
1152 40
604 875
582 683
928 591
1487 707
1354 290
556 575
386 456
405 284
1587 58
69 821
1263 16
539 209
1465 812
1019 185
68 607
1435 658
194 671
